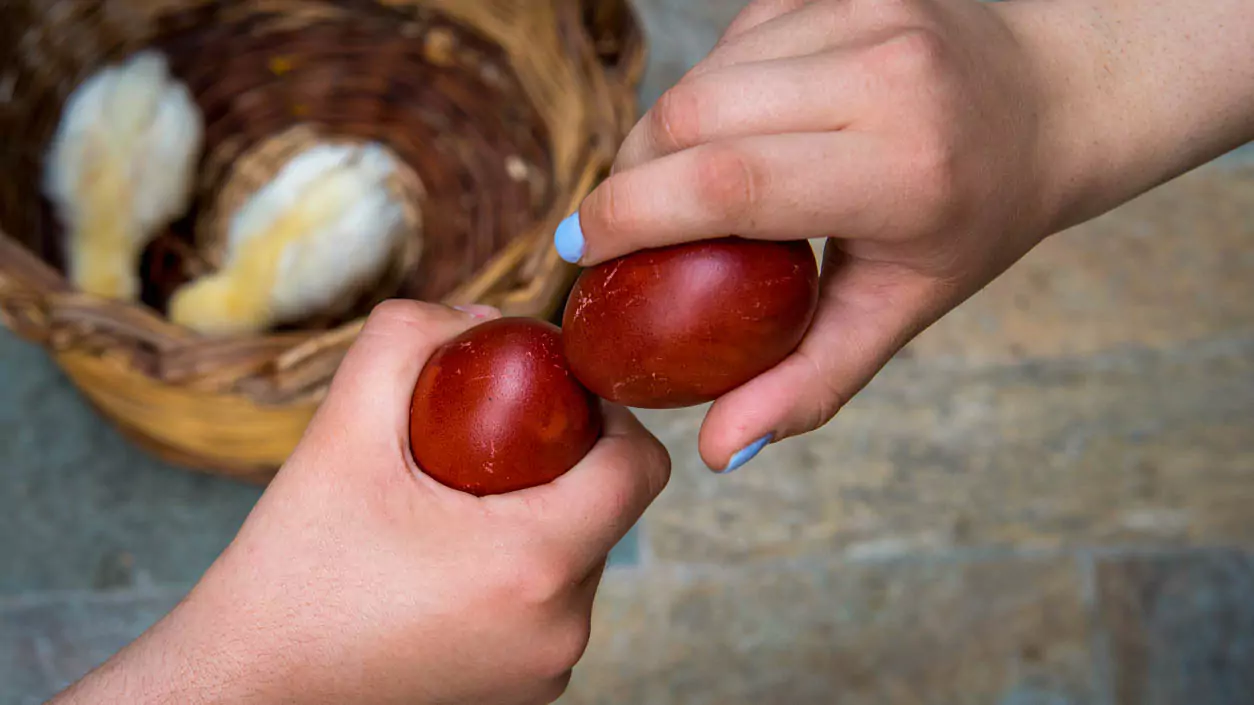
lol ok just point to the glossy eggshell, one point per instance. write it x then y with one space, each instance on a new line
682 325
497 410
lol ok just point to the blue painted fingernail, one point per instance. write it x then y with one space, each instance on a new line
747 453
569 239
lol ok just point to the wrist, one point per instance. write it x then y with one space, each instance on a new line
1127 104
195 655
1080 157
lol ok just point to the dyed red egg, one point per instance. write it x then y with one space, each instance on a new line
497 409
682 325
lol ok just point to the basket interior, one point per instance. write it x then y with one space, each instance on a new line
440 95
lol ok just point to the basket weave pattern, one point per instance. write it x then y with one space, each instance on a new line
506 114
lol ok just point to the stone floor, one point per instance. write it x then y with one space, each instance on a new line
1043 501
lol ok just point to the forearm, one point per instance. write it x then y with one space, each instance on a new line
1143 90
188 658
142 673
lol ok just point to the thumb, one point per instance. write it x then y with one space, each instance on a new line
585 512
368 402
867 312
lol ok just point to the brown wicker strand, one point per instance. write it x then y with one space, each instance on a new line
505 114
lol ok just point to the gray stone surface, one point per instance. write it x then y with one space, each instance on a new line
984 525
1181 627
47 641
680 34
81 507
1036 455
873 633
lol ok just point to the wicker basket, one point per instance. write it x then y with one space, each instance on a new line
507 112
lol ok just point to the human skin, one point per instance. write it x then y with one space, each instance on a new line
357 579
932 142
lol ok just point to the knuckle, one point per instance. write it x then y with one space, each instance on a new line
728 182
829 397
400 317
773 8
609 208
394 318
617 495
762 6
914 55
543 580
892 11
640 474
553 689
392 313
935 182
562 649
658 461
755 13
676 120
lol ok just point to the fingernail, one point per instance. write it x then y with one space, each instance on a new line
479 311
569 239
747 453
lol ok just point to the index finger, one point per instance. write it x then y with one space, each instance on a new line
586 512
794 186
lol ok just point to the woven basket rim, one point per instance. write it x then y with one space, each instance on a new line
37 303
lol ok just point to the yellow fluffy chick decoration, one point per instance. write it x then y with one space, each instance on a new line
309 241
121 168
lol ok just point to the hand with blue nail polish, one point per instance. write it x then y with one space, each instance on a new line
930 143
359 579
568 240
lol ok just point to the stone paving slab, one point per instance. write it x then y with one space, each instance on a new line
1102 392
1180 628
1154 449
83 507
932 545
48 641
1172 267
880 633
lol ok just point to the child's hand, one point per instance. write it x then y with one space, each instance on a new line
934 142
910 132
357 579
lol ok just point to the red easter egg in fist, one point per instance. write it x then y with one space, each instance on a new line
497 410
682 325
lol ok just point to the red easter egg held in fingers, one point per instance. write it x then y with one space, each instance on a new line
682 325
497 409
